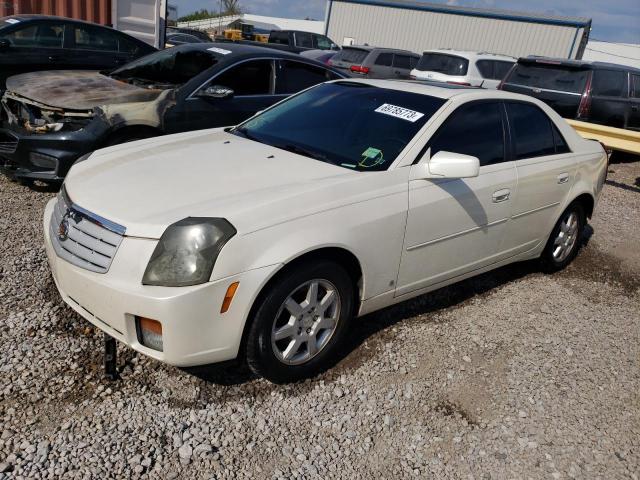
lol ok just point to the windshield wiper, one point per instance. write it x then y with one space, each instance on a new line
303 151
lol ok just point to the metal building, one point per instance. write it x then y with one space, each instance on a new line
419 26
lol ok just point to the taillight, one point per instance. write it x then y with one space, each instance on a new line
413 77
359 69
584 109
330 63
464 84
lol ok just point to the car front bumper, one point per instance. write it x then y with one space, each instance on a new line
47 156
194 331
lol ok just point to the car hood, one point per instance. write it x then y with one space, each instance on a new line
147 185
77 89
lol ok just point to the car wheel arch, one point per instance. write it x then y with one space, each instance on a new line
587 201
340 255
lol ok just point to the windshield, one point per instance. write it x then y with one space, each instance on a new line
174 66
441 63
351 125
550 78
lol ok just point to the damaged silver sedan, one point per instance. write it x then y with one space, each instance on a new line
51 119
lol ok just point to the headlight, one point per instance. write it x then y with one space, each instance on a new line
187 252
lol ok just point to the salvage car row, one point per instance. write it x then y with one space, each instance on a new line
330 197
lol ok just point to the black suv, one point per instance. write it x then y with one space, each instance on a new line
594 92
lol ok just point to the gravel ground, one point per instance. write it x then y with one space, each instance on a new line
514 374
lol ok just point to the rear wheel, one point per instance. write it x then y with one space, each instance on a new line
300 322
564 242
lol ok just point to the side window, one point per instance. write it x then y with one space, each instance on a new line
247 78
322 42
126 45
280 38
609 83
560 142
485 67
532 133
385 59
401 61
47 35
295 76
635 86
414 62
304 40
480 125
500 69
88 37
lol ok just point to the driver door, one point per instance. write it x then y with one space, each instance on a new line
252 83
455 226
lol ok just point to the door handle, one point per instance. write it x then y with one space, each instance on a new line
53 58
501 195
634 108
563 178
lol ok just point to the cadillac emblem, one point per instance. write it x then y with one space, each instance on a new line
63 229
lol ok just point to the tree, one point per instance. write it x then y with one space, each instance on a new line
229 7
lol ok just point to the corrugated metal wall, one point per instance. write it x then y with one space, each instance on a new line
97 11
421 30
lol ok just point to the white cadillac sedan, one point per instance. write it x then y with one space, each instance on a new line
265 240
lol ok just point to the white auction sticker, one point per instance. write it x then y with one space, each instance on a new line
12 20
399 112
221 51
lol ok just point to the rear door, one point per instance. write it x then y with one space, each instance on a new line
142 19
609 98
382 65
559 86
546 171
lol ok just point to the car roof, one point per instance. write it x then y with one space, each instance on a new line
586 64
371 48
441 90
33 17
471 54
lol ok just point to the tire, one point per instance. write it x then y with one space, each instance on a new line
564 241
293 357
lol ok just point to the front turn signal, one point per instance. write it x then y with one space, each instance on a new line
228 297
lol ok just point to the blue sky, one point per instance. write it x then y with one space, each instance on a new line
613 20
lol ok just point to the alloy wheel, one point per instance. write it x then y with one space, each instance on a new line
305 322
566 238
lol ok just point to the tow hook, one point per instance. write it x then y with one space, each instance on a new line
110 358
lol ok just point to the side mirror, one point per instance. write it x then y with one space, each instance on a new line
4 44
216 91
448 165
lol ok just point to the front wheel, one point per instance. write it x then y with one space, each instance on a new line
564 242
300 322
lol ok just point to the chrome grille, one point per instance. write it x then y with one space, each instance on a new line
83 238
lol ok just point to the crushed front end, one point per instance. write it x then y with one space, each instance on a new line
41 142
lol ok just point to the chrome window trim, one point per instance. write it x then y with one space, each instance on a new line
92 217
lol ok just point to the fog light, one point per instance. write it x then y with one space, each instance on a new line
43 161
149 333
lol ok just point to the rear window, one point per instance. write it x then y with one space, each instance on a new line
442 63
549 77
351 55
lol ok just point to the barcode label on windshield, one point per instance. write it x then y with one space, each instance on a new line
221 51
399 112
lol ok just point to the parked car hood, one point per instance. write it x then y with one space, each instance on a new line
147 185
77 89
